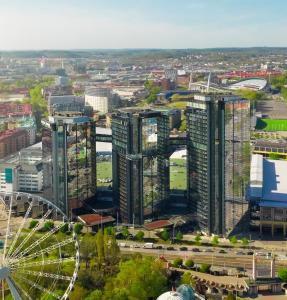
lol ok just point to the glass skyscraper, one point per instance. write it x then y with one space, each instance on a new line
73 160
140 163
218 140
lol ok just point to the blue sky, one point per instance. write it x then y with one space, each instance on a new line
66 24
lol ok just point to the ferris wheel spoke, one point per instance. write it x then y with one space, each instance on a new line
7 230
40 240
31 233
46 275
45 250
38 286
22 265
13 288
21 227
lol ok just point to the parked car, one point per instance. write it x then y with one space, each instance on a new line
195 250
250 253
207 250
222 251
158 247
183 248
170 248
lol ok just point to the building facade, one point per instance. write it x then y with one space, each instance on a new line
12 141
140 163
73 160
101 99
218 143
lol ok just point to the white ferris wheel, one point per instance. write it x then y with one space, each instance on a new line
39 251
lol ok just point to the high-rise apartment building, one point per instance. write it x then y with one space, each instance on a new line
218 141
140 163
73 158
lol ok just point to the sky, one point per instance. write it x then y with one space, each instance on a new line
91 24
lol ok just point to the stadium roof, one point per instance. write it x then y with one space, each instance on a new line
256 84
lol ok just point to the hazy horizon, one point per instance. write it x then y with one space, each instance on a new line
144 24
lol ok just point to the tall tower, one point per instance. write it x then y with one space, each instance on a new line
140 163
218 142
73 160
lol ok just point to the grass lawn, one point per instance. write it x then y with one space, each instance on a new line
178 174
104 170
178 105
271 125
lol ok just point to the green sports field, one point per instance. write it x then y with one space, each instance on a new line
178 174
104 171
271 125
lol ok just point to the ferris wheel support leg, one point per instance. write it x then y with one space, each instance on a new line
13 289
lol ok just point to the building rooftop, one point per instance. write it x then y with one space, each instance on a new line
275 180
95 219
256 84
157 224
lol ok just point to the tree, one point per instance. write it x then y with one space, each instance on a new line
165 235
187 279
204 268
49 225
230 296
78 293
197 239
233 240
140 235
215 241
110 230
87 249
33 224
138 279
65 228
245 241
179 236
125 232
189 263
282 274
177 262
78 228
95 295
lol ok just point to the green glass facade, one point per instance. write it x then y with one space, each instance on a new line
218 142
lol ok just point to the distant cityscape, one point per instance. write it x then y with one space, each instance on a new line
156 151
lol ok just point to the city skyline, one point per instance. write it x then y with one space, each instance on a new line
110 24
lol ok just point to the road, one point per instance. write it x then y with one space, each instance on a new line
228 260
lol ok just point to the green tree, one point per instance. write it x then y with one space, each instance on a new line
87 249
139 236
125 232
274 156
78 293
245 241
78 228
230 296
95 295
187 279
197 239
49 225
138 279
233 240
177 262
165 235
282 274
189 263
110 230
204 268
33 224
215 241
65 228
179 236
